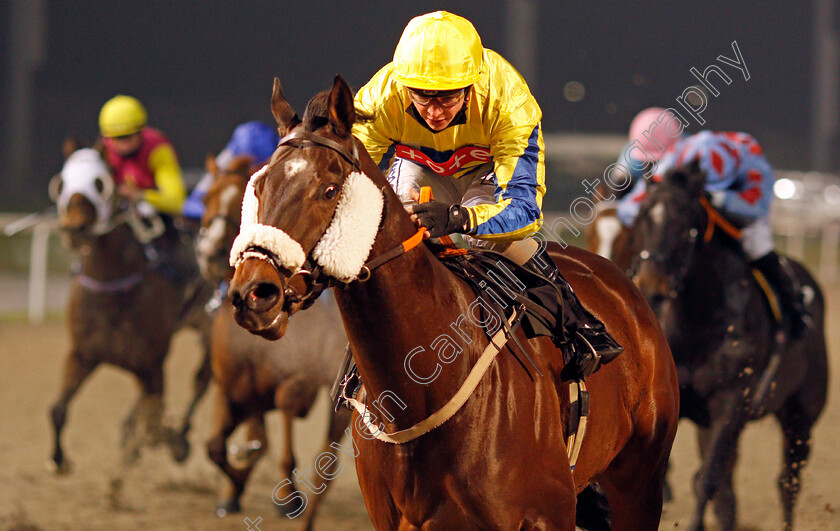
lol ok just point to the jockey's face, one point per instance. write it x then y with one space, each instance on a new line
126 145
438 112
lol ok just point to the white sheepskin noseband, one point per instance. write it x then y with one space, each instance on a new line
345 246
341 251
79 174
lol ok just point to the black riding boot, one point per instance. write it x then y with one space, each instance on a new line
776 269
591 342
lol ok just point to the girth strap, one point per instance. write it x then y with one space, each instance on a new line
497 342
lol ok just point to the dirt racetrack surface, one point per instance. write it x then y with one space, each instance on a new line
159 494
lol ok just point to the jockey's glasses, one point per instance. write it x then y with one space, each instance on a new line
445 99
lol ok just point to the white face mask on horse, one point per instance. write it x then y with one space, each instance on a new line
85 173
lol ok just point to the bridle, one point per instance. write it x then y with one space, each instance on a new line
676 279
315 280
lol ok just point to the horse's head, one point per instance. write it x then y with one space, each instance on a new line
222 216
312 213
84 194
664 236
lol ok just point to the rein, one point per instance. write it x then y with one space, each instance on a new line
716 219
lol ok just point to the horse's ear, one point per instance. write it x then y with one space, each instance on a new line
210 164
69 146
99 146
281 109
341 109
241 164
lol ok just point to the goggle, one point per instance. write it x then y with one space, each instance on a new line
446 101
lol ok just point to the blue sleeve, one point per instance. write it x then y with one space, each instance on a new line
629 205
752 194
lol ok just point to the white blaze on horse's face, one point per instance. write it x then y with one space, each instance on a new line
657 213
211 241
295 166
608 229
85 173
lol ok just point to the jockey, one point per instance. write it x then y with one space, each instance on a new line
254 139
455 116
739 183
145 168
144 162
651 135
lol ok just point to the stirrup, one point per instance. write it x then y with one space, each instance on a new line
348 387
586 364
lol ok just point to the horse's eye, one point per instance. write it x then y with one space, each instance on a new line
100 186
330 192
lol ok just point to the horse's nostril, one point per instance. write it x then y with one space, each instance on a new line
236 299
265 291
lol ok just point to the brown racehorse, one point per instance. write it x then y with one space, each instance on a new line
123 310
722 332
500 461
254 375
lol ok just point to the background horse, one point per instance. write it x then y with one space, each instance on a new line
256 376
723 337
500 461
606 235
122 310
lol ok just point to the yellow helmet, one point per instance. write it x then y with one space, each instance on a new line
121 115
438 51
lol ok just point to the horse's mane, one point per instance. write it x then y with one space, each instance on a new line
316 113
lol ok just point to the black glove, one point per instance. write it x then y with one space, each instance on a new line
442 219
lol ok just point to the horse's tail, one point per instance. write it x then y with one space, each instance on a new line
593 511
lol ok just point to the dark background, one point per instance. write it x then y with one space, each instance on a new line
203 67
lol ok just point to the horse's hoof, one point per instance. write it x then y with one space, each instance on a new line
59 469
225 508
244 453
180 448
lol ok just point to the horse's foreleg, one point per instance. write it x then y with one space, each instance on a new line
796 425
226 417
724 498
255 444
338 422
148 413
287 486
178 443
75 372
722 441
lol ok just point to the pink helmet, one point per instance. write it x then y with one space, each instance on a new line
664 131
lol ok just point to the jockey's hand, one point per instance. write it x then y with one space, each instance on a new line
717 197
440 218
130 192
